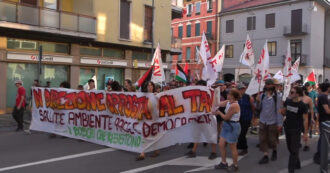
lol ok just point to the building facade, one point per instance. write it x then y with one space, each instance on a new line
199 16
80 40
304 24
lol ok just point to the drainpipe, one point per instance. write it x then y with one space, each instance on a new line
152 29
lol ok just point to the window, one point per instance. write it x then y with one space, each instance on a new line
270 20
180 58
296 21
124 19
251 23
209 5
229 51
34 46
272 48
189 9
22 44
187 54
51 4
229 26
209 28
55 47
180 31
113 53
197 53
139 55
197 29
188 30
148 24
91 51
198 8
295 49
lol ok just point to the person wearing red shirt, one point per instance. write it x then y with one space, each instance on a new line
19 105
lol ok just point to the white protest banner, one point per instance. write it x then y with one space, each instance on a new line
204 49
247 56
158 75
261 72
138 122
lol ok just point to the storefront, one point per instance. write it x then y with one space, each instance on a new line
101 70
54 69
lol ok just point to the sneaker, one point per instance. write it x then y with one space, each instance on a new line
213 156
221 166
254 131
190 154
274 155
306 148
190 145
27 132
264 160
243 152
232 168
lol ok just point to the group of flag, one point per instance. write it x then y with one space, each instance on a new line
213 65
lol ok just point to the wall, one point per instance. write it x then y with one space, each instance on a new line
107 12
327 38
261 34
317 39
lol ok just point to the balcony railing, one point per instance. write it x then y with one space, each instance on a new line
47 18
289 32
176 43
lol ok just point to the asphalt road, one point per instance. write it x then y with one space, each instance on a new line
37 153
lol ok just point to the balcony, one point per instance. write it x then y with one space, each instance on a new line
293 32
176 45
177 6
25 17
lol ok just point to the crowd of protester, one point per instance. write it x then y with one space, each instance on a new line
264 114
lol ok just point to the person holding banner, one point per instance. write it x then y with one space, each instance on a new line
231 129
149 87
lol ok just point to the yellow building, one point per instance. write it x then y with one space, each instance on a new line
80 39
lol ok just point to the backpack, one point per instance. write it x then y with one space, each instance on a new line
258 109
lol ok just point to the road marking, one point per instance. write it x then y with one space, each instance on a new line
58 159
154 165
202 162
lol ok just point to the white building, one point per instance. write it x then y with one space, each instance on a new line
305 23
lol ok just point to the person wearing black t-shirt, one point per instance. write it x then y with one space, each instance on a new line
323 106
296 116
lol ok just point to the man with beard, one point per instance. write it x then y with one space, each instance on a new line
270 120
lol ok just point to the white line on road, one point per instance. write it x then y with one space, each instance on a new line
154 165
58 159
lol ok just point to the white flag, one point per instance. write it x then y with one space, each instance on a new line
247 57
295 71
260 73
217 61
204 49
209 74
279 76
158 75
287 73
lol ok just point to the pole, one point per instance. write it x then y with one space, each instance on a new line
39 63
152 28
